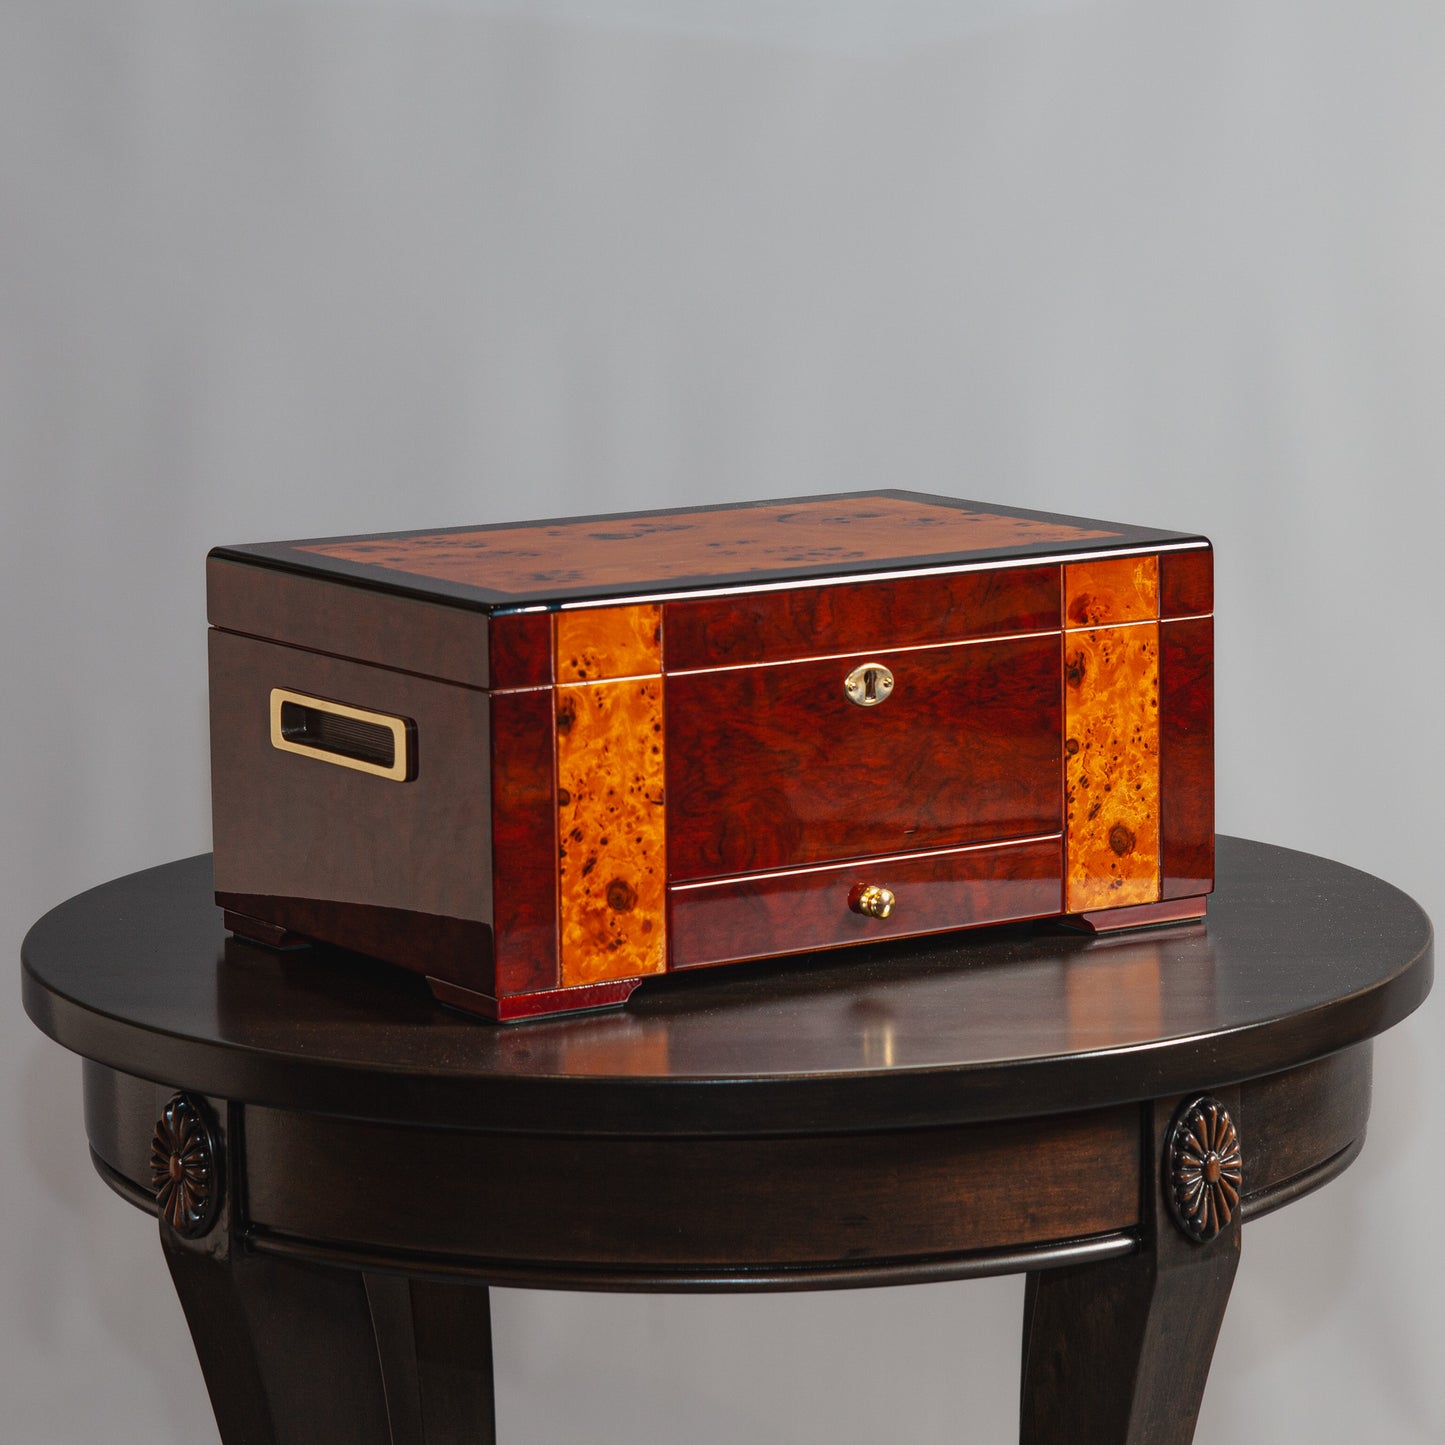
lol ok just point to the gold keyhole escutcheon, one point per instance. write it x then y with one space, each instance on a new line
869 684
872 901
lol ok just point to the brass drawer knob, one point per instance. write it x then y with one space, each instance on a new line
872 901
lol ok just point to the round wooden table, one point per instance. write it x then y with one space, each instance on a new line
341 1166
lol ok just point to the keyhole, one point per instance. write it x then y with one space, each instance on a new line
869 684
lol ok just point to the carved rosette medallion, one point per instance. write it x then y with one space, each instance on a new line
185 1167
1205 1169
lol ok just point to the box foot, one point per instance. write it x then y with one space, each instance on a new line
545 1002
257 930
1137 915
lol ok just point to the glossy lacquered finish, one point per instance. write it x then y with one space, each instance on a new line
1301 957
994 1102
802 909
682 549
774 767
331 853
802 622
882 676
1186 755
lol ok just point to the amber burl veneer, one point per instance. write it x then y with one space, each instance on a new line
634 752
610 821
1111 733
703 543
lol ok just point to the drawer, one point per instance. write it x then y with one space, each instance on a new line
773 766
901 612
799 909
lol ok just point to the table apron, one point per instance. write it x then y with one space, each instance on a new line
719 1212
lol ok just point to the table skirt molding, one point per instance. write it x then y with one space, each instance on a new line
923 1205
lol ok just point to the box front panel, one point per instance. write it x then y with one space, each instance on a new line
1186 583
795 623
524 821
1187 756
776 766
397 869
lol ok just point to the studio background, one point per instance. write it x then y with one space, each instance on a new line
290 269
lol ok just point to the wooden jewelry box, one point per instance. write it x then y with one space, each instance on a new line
539 763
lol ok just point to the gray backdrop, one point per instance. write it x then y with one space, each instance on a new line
274 270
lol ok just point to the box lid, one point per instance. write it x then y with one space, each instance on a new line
527 566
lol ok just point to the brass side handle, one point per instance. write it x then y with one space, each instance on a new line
871 900
350 737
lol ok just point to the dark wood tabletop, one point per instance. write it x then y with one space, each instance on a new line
1300 957
1010 1099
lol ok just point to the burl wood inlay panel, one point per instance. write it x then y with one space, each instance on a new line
773 767
1111 767
627 552
612 846
603 642
896 612
1110 590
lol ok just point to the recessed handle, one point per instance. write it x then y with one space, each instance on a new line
350 737
872 900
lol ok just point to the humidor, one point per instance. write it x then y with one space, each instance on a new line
538 763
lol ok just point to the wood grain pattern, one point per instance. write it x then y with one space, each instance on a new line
610 770
1298 1121
521 647
524 843
795 911
287 1349
630 551
324 615
1120 1352
900 612
774 767
1111 767
1110 590
334 854
840 1198
1186 582
434 1346
459 949
608 642
1186 756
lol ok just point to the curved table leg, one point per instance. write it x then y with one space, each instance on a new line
300 1354
1118 1353
435 1345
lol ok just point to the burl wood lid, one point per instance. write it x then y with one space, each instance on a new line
666 553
